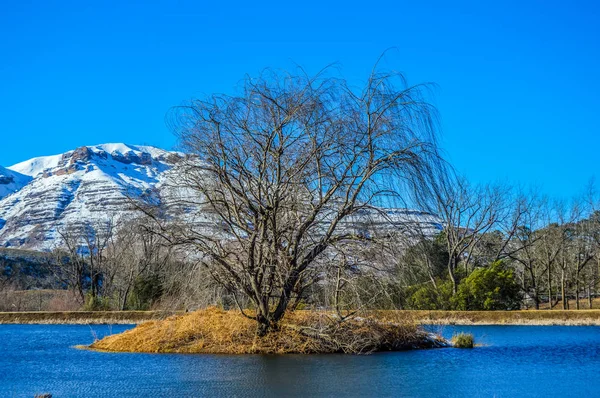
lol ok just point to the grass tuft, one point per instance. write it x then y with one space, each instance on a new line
463 340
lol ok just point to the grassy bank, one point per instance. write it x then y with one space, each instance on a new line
82 317
528 317
216 331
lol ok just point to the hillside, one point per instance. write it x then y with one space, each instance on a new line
85 184
44 196
11 181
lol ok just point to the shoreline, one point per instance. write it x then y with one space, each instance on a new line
434 317
507 318
83 317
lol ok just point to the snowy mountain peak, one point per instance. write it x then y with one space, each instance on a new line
87 183
74 160
43 196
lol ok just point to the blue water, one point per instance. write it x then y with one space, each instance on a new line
515 361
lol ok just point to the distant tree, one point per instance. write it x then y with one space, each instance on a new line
285 165
80 262
425 259
525 242
69 265
431 297
489 288
136 261
469 213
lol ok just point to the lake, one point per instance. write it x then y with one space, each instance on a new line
533 361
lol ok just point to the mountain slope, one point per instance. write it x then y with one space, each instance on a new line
86 184
11 181
46 195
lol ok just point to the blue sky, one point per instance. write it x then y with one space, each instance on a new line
518 81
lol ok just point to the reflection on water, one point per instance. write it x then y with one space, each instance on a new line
543 361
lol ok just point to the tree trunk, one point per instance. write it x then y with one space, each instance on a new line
589 294
126 294
577 292
549 289
80 292
536 296
562 290
262 329
284 299
430 273
124 302
451 267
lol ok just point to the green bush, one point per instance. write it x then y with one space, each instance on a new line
427 297
96 303
463 340
490 288
146 291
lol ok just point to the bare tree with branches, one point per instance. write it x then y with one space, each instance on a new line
286 168
468 213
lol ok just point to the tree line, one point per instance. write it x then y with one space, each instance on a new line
530 250
497 248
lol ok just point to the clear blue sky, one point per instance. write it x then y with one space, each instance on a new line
519 85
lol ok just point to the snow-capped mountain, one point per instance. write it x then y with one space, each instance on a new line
45 195
88 183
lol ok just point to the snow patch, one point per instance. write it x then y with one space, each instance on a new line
11 181
36 166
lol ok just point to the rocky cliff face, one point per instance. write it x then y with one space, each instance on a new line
83 185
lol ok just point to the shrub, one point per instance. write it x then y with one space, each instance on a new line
490 288
96 303
463 340
146 291
427 297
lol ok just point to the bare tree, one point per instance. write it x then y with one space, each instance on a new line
80 262
583 251
68 263
468 214
284 170
135 254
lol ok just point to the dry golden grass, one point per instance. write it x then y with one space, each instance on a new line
82 317
228 332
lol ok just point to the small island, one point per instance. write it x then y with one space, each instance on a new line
215 331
